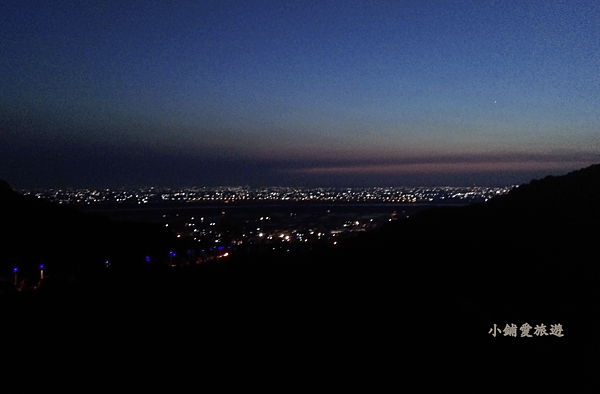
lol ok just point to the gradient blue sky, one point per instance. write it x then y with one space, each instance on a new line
347 93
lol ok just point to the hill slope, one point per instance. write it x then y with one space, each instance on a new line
69 243
414 300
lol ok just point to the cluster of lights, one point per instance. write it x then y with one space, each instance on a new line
233 194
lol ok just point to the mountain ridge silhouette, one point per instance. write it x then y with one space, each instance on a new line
425 291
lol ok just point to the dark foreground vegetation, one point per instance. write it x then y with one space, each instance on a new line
412 301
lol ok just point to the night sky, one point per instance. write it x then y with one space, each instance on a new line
297 93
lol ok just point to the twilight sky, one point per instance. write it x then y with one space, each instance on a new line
297 93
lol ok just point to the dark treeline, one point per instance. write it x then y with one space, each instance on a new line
415 299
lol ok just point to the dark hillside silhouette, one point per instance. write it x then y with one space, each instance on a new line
415 299
529 256
67 242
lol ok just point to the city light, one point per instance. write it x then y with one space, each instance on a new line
235 194
293 227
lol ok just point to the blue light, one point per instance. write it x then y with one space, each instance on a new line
172 254
221 247
41 266
148 258
15 269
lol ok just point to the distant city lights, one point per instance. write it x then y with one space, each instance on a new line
151 195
